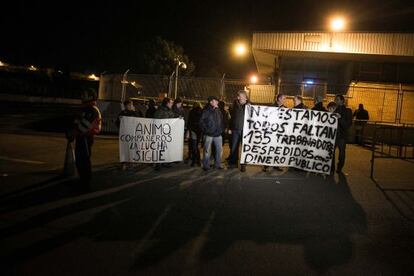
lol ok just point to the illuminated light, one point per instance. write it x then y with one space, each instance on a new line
135 84
309 81
254 79
93 77
240 49
33 68
338 24
3 64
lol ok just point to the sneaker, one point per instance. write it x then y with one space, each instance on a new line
205 169
220 168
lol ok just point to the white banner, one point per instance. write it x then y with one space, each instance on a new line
144 140
286 137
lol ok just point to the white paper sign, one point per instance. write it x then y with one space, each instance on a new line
287 137
144 140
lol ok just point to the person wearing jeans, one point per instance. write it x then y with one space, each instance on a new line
208 142
211 124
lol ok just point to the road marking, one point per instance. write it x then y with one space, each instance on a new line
22 160
144 241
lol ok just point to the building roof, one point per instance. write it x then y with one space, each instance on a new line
358 46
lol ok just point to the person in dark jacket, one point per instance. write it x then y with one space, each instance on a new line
298 102
129 111
194 133
211 124
164 111
344 123
87 124
226 119
178 107
236 128
319 104
361 115
151 109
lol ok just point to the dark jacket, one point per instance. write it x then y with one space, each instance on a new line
281 106
194 120
127 113
179 112
301 106
237 116
226 118
150 112
361 114
211 122
319 107
164 112
345 122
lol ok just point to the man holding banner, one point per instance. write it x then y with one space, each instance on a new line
236 125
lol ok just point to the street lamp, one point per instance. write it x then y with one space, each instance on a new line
240 49
182 65
253 79
337 24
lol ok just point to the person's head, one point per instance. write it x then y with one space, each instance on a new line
178 103
197 105
331 106
360 106
297 100
151 103
318 99
221 105
242 97
167 102
280 99
340 100
213 101
88 95
129 105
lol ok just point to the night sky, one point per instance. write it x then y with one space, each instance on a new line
103 36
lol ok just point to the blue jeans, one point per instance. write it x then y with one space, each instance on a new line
236 137
208 141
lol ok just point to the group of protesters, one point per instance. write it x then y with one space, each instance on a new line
209 126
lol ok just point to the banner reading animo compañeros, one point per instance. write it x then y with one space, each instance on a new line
299 138
144 140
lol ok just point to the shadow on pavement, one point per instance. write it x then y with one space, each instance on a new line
163 212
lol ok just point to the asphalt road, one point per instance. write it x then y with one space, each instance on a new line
184 221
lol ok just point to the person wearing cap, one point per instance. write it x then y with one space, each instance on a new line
236 128
319 104
86 125
211 124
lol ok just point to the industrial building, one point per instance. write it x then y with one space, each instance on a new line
376 69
